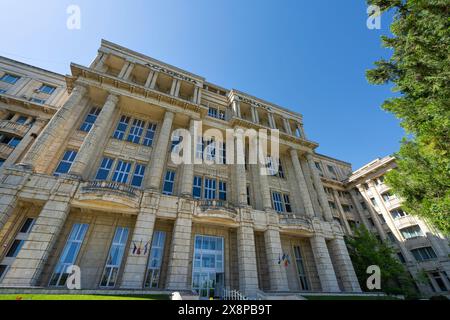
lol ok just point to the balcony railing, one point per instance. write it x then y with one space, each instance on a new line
215 204
5 150
294 220
13 127
110 186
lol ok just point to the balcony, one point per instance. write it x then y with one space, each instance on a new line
217 210
107 194
13 128
5 150
295 221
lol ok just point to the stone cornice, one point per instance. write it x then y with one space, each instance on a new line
151 62
259 103
310 145
103 79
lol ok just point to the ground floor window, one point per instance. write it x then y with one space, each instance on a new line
16 245
208 266
115 256
155 260
301 271
69 254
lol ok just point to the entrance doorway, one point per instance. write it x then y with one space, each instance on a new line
208 270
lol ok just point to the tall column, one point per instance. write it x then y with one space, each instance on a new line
236 107
136 265
151 79
319 188
126 70
302 184
272 122
188 168
52 137
24 143
173 87
10 184
180 253
29 263
287 126
177 88
324 266
255 116
99 64
94 141
240 176
248 272
341 212
277 272
344 265
159 153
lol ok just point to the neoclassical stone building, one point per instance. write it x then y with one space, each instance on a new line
420 247
92 183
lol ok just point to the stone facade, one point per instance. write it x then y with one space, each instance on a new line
95 186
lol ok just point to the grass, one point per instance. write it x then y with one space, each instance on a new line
349 297
81 297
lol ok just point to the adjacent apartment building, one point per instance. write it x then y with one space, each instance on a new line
86 178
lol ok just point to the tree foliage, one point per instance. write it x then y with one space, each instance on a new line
366 250
419 69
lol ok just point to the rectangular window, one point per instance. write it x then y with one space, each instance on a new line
332 204
45 88
401 257
222 190
176 143
149 135
122 171
317 164
69 254
391 237
36 100
411 232
138 175
199 148
197 187
210 150
440 282
301 271
287 203
210 189
169 182
398 213
21 120
104 169
114 261
66 162
363 205
346 208
249 201
222 153
15 247
423 254
136 131
212 112
121 127
155 260
90 119
9 78
277 202
280 170
374 202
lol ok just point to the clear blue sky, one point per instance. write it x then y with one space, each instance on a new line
309 56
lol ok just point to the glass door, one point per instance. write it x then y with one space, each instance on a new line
208 270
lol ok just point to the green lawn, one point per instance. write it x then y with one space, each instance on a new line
349 297
80 297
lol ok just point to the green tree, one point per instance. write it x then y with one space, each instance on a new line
365 250
419 70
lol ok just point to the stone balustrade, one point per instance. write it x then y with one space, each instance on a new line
13 127
110 187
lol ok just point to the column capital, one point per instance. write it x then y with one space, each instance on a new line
113 98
